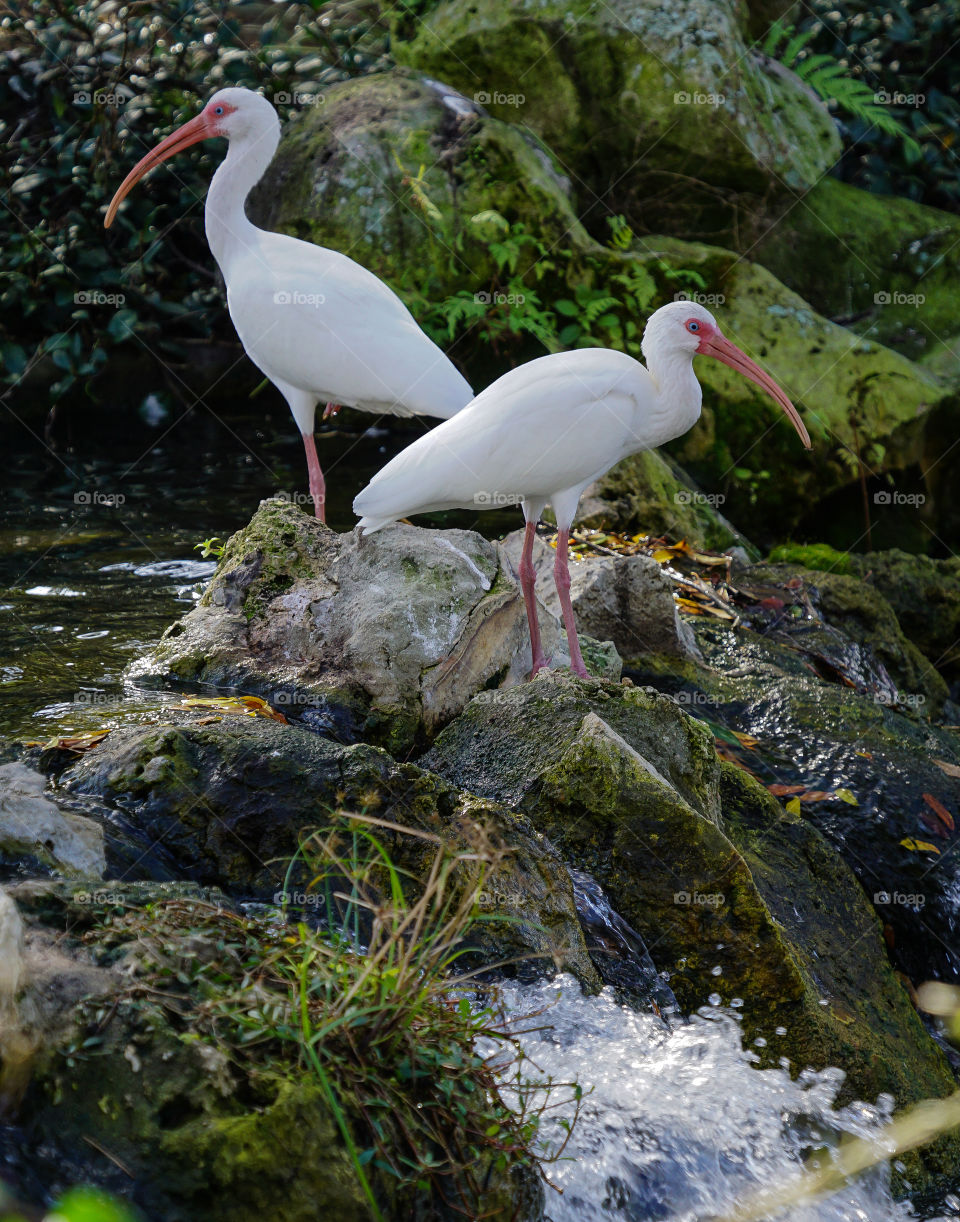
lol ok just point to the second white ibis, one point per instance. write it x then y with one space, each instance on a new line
320 326
544 431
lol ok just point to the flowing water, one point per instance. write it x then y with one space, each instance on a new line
679 1126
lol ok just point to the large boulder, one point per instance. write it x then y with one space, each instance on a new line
391 169
735 897
606 83
886 267
384 637
149 1089
34 829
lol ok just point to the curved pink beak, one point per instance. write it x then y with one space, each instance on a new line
192 132
719 346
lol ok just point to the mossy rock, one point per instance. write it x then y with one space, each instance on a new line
607 83
861 611
867 260
136 1096
342 178
383 637
230 802
924 592
713 873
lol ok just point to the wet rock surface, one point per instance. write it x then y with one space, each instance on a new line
384 637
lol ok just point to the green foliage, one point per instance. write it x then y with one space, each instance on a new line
561 298
901 54
371 998
832 81
85 89
90 1205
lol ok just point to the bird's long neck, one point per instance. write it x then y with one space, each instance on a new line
229 232
679 397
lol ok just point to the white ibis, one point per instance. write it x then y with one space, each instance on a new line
320 326
544 431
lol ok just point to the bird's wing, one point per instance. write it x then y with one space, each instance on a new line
549 425
316 320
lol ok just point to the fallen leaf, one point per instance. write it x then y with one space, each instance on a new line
939 810
76 742
817 795
919 846
949 769
793 806
780 791
846 795
746 740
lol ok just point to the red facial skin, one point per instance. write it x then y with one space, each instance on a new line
713 343
205 126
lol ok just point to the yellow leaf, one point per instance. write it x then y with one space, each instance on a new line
920 846
793 806
845 795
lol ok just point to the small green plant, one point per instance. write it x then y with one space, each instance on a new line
833 81
210 547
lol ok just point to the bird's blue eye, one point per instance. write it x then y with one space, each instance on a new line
693 326
218 111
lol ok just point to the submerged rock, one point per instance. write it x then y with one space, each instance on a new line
384 637
732 895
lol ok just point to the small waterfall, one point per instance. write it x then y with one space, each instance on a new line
679 1125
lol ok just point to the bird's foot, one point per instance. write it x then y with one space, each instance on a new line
579 669
330 410
539 663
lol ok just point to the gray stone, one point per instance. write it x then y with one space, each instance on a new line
623 599
31 823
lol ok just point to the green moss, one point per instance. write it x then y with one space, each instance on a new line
811 556
870 258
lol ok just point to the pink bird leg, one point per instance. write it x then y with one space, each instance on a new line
528 578
561 575
330 410
318 487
